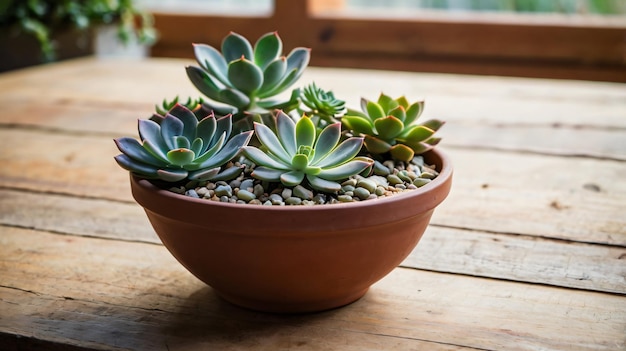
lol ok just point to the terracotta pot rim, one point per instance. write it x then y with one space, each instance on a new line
444 176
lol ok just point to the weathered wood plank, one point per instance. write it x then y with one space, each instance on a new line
567 198
93 292
521 258
475 253
448 96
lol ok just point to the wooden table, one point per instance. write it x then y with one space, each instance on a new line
527 253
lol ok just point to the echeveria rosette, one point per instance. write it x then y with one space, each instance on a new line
181 147
322 104
390 126
296 152
245 78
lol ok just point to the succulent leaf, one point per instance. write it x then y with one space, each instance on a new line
266 49
388 127
358 125
234 97
245 76
305 132
413 112
137 167
209 173
204 83
262 159
212 61
323 184
402 152
292 178
419 133
267 174
234 46
151 131
344 171
387 103
328 138
346 151
375 111
299 162
286 128
273 73
271 141
375 145
132 148
172 175
180 157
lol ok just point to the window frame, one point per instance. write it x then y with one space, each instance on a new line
553 47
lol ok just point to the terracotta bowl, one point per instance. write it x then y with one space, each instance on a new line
293 259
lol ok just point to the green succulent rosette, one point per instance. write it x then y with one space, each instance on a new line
391 126
181 147
243 79
295 153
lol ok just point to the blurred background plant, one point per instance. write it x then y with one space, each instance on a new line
43 18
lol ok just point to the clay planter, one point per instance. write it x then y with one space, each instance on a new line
293 258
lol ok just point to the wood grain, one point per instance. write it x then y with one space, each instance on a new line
510 257
139 296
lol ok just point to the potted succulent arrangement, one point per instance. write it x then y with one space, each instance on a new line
284 205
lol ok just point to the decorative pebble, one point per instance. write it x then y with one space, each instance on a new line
286 193
380 169
380 190
368 184
302 192
350 181
255 202
224 198
258 190
319 199
245 195
394 179
347 188
276 199
404 176
345 198
362 193
292 200
246 184
202 191
224 190
419 182
192 193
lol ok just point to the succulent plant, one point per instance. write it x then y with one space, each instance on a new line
390 125
296 152
322 104
195 105
181 147
245 78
